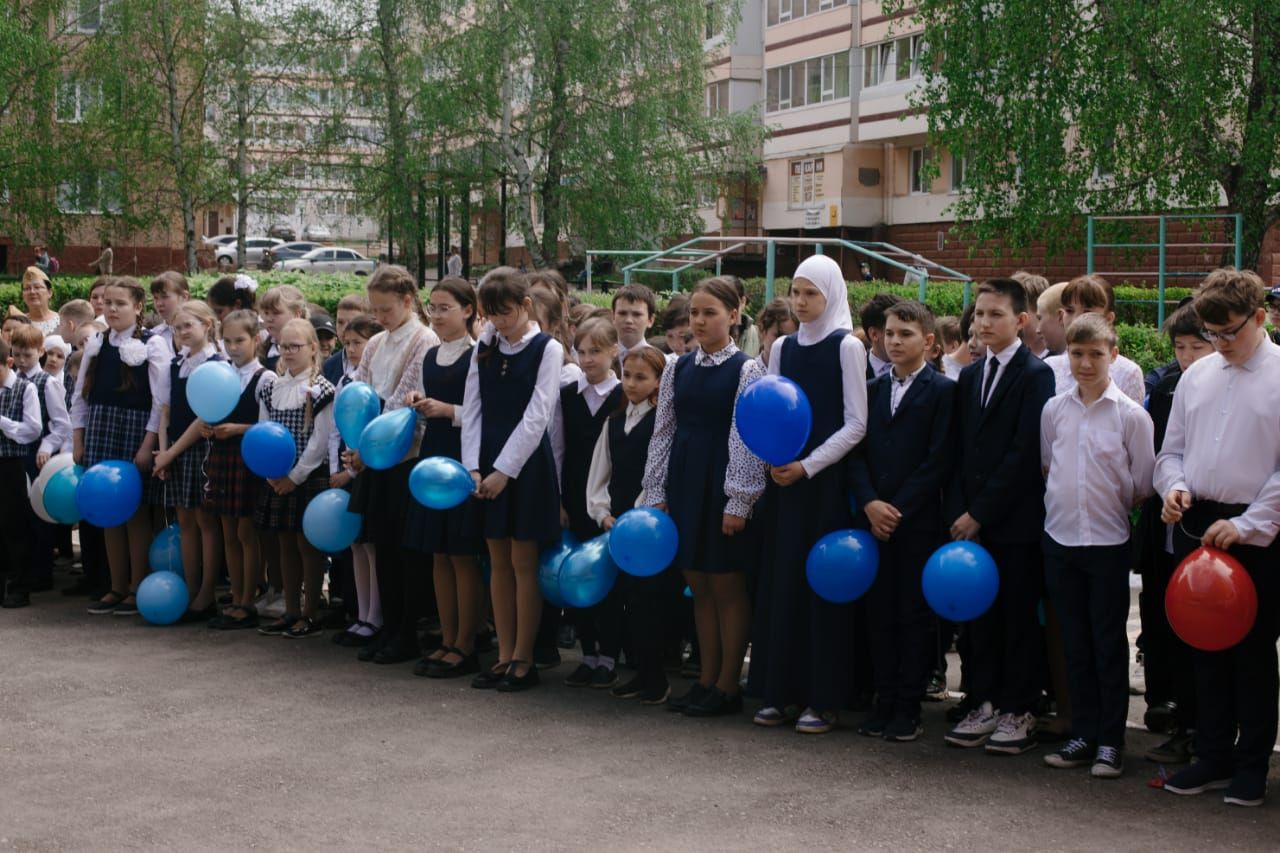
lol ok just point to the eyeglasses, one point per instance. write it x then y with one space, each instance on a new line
1228 336
291 348
432 310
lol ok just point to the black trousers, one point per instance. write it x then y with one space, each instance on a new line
1237 689
898 621
600 627
1005 664
653 607
1090 591
405 583
1170 673
15 521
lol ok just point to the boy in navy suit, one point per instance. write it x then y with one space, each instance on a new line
996 497
898 471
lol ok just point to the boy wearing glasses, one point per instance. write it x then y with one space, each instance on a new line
1219 473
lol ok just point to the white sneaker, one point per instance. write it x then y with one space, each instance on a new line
974 729
1138 676
1014 735
271 604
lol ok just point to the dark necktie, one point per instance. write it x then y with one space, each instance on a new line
992 367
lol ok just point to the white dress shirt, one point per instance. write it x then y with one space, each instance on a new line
55 402
1125 374
744 477
28 429
524 439
1223 440
951 368
250 367
879 367
898 387
1002 361
599 504
159 355
853 367
593 395
289 391
1099 459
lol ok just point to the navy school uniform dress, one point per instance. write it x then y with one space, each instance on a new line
284 512
528 509
904 460
230 488
184 484
704 399
801 644
433 531
117 417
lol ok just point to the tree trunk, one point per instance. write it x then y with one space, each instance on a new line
242 95
398 179
552 189
518 167
177 151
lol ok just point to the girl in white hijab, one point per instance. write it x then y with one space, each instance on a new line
804 642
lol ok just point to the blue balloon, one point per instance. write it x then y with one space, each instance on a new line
268 450
327 523
643 541
387 439
688 593
354 409
213 390
960 581
60 495
109 493
842 565
439 482
162 598
774 419
549 564
165 554
588 573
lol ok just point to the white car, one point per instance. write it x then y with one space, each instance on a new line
253 249
217 241
319 233
329 259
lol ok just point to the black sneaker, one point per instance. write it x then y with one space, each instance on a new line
128 607
1077 752
1109 763
903 729
1176 750
13 600
715 703
580 677
1161 717
1246 789
693 694
874 725
603 678
656 694
543 658
629 690
1198 778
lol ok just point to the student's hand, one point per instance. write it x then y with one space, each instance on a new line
965 527
41 458
228 430
1221 534
436 409
414 399
475 478
207 431
608 523
77 448
339 480
282 486
143 459
731 524
884 518
1175 504
785 475
492 486
163 459
564 516
662 507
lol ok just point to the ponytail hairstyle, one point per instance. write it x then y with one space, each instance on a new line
600 331
653 359
398 281
224 293
138 295
549 311
170 280
501 289
364 325
247 319
309 332
463 293
553 282
202 312
723 289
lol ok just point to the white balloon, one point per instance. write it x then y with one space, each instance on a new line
35 491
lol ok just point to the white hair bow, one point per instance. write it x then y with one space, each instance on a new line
244 282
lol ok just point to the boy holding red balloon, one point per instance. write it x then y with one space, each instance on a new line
1219 473
1098 453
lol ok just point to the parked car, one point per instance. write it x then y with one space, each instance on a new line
316 232
276 255
253 250
329 259
281 231
217 241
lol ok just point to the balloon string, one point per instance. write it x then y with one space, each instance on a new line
1187 533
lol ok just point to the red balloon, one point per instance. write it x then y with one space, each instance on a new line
1211 600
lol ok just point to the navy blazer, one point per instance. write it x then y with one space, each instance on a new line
998 480
906 457
332 368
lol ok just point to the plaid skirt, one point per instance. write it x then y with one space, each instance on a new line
183 486
230 488
114 432
284 512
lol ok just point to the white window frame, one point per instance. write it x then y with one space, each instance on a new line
99 205
826 65
76 18
887 60
916 181
959 166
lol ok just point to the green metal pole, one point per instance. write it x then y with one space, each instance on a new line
719 262
1164 230
817 248
675 282
924 283
968 287
1089 253
588 273
1239 237
769 258
626 276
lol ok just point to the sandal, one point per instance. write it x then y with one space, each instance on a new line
278 627
227 622
304 627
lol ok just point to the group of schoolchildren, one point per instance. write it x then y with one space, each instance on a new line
567 416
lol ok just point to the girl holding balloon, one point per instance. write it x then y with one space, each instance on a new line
511 391
115 414
441 532
183 452
801 645
230 488
392 365
299 400
705 477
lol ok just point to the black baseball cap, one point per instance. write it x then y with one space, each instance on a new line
1273 295
323 325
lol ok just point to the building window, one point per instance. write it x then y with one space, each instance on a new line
919 160
718 98
91 192
76 98
958 165
86 15
811 81
781 11
806 185
891 61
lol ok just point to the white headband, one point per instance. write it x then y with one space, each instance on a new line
244 282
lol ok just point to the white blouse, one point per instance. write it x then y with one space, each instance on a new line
289 391
594 395
392 364
158 357
853 369
55 403
599 504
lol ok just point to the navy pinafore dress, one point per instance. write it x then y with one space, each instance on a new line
433 531
230 488
581 432
704 399
183 485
